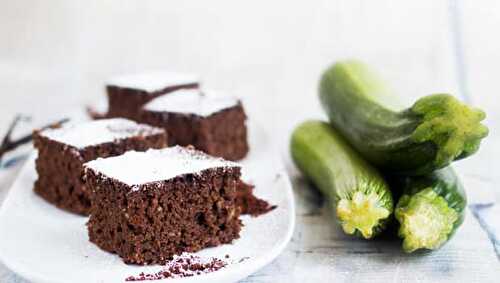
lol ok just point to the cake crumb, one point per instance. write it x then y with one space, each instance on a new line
249 203
184 265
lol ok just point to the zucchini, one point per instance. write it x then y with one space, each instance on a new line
358 193
430 209
435 131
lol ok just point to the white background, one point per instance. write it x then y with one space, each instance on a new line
55 55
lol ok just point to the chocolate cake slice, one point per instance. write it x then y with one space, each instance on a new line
149 206
211 123
128 93
62 152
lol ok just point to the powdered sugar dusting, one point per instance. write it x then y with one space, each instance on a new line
98 132
191 101
153 81
184 265
135 168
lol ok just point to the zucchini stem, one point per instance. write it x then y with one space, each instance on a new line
426 220
451 125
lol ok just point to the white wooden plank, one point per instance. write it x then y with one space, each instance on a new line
479 22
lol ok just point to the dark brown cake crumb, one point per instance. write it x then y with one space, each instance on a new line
249 203
182 266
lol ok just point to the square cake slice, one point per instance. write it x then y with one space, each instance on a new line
128 93
63 151
149 206
212 123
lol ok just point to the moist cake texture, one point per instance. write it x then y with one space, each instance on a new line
149 206
211 123
63 151
128 93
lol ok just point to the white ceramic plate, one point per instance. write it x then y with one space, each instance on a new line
44 244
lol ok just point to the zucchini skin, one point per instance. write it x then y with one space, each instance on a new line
435 131
446 186
341 174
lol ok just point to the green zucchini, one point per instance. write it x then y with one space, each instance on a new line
358 193
435 131
430 209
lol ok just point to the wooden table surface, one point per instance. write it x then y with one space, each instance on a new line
56 55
